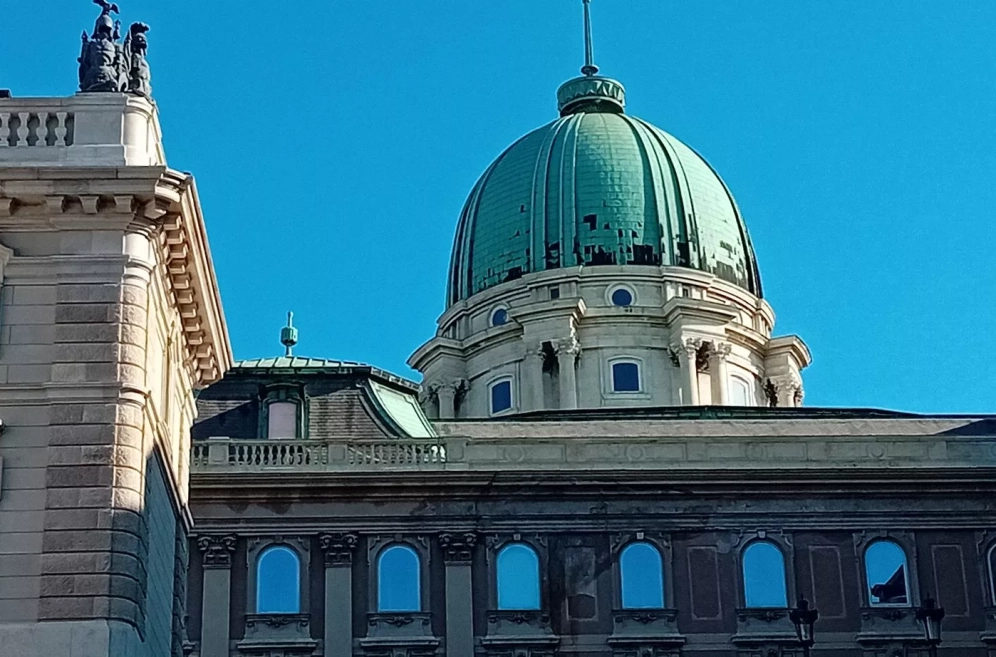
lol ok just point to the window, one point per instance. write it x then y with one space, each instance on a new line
764 576
885 568
625 377
278 581
518 577
622 297
501 396
499 317
555 293
399 580
282 420
641 572
740 394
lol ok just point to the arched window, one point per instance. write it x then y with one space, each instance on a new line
886 571
501 396
399 581
499 316
764 575
641 572
278 581
992 573
518 577
282 420
625 376
740 392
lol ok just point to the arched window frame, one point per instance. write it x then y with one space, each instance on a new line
539 576
513 395
737 377
662 543
376 547
287 394
495 544
907 542
611 376
255 550
781 540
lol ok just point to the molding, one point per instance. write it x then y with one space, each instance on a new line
458 547
338 548
217 551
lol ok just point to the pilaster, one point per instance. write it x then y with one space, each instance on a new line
216 553
458 554
719 374
338 549
567 351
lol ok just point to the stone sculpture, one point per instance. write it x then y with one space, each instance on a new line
109 66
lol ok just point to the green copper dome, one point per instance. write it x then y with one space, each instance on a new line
598 187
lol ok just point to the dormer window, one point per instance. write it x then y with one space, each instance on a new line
283 416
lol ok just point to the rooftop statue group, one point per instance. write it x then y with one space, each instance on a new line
106 65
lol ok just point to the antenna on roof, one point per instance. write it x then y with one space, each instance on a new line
288 335
589 69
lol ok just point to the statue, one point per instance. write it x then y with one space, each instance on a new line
136 46
109 66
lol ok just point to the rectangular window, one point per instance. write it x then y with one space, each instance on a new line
282 422
625 377
501 397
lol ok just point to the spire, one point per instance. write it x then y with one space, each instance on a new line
288 335
589 69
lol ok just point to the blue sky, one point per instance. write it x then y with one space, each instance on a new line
334 144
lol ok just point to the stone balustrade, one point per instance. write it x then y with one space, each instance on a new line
230 456
104 129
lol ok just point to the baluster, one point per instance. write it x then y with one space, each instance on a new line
61 129
4 129
22 129
41 132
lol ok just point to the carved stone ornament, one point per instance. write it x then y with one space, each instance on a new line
567 347
338 548
458 547
109 66
217 550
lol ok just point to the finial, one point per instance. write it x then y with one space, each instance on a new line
589 69
288 335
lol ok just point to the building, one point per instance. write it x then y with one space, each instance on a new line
608 455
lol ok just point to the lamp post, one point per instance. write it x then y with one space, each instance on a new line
930 616
804 618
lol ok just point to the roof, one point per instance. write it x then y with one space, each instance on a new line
598 187
306 365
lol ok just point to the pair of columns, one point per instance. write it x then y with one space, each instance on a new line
690 354
338 549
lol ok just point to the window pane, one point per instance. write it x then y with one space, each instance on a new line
740 392
622 297
626 377
399 580
518 578
282 420
885 566
501 396
642 577
499 317
764 576
278 582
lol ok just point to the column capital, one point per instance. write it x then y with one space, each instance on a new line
217 551
719 350
785 390
458 547
567 347
338 548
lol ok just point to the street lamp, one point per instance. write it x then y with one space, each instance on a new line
804 618
930 616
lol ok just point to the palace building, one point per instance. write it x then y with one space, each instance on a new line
608 453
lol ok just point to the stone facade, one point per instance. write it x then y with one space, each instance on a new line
110 319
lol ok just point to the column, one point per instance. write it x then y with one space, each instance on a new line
458 554
567 357
446 394
718 352
216 552
338 549
688 352
532 380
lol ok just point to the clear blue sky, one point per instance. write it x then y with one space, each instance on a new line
334 144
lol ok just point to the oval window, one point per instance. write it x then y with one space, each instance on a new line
499 317
622 297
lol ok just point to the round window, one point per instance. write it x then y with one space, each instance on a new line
499 317
622 297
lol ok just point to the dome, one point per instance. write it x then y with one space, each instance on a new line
598 187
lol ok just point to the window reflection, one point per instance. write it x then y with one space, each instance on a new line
398 580
886 570
740 392
278 582
518 577
764 575
642 575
